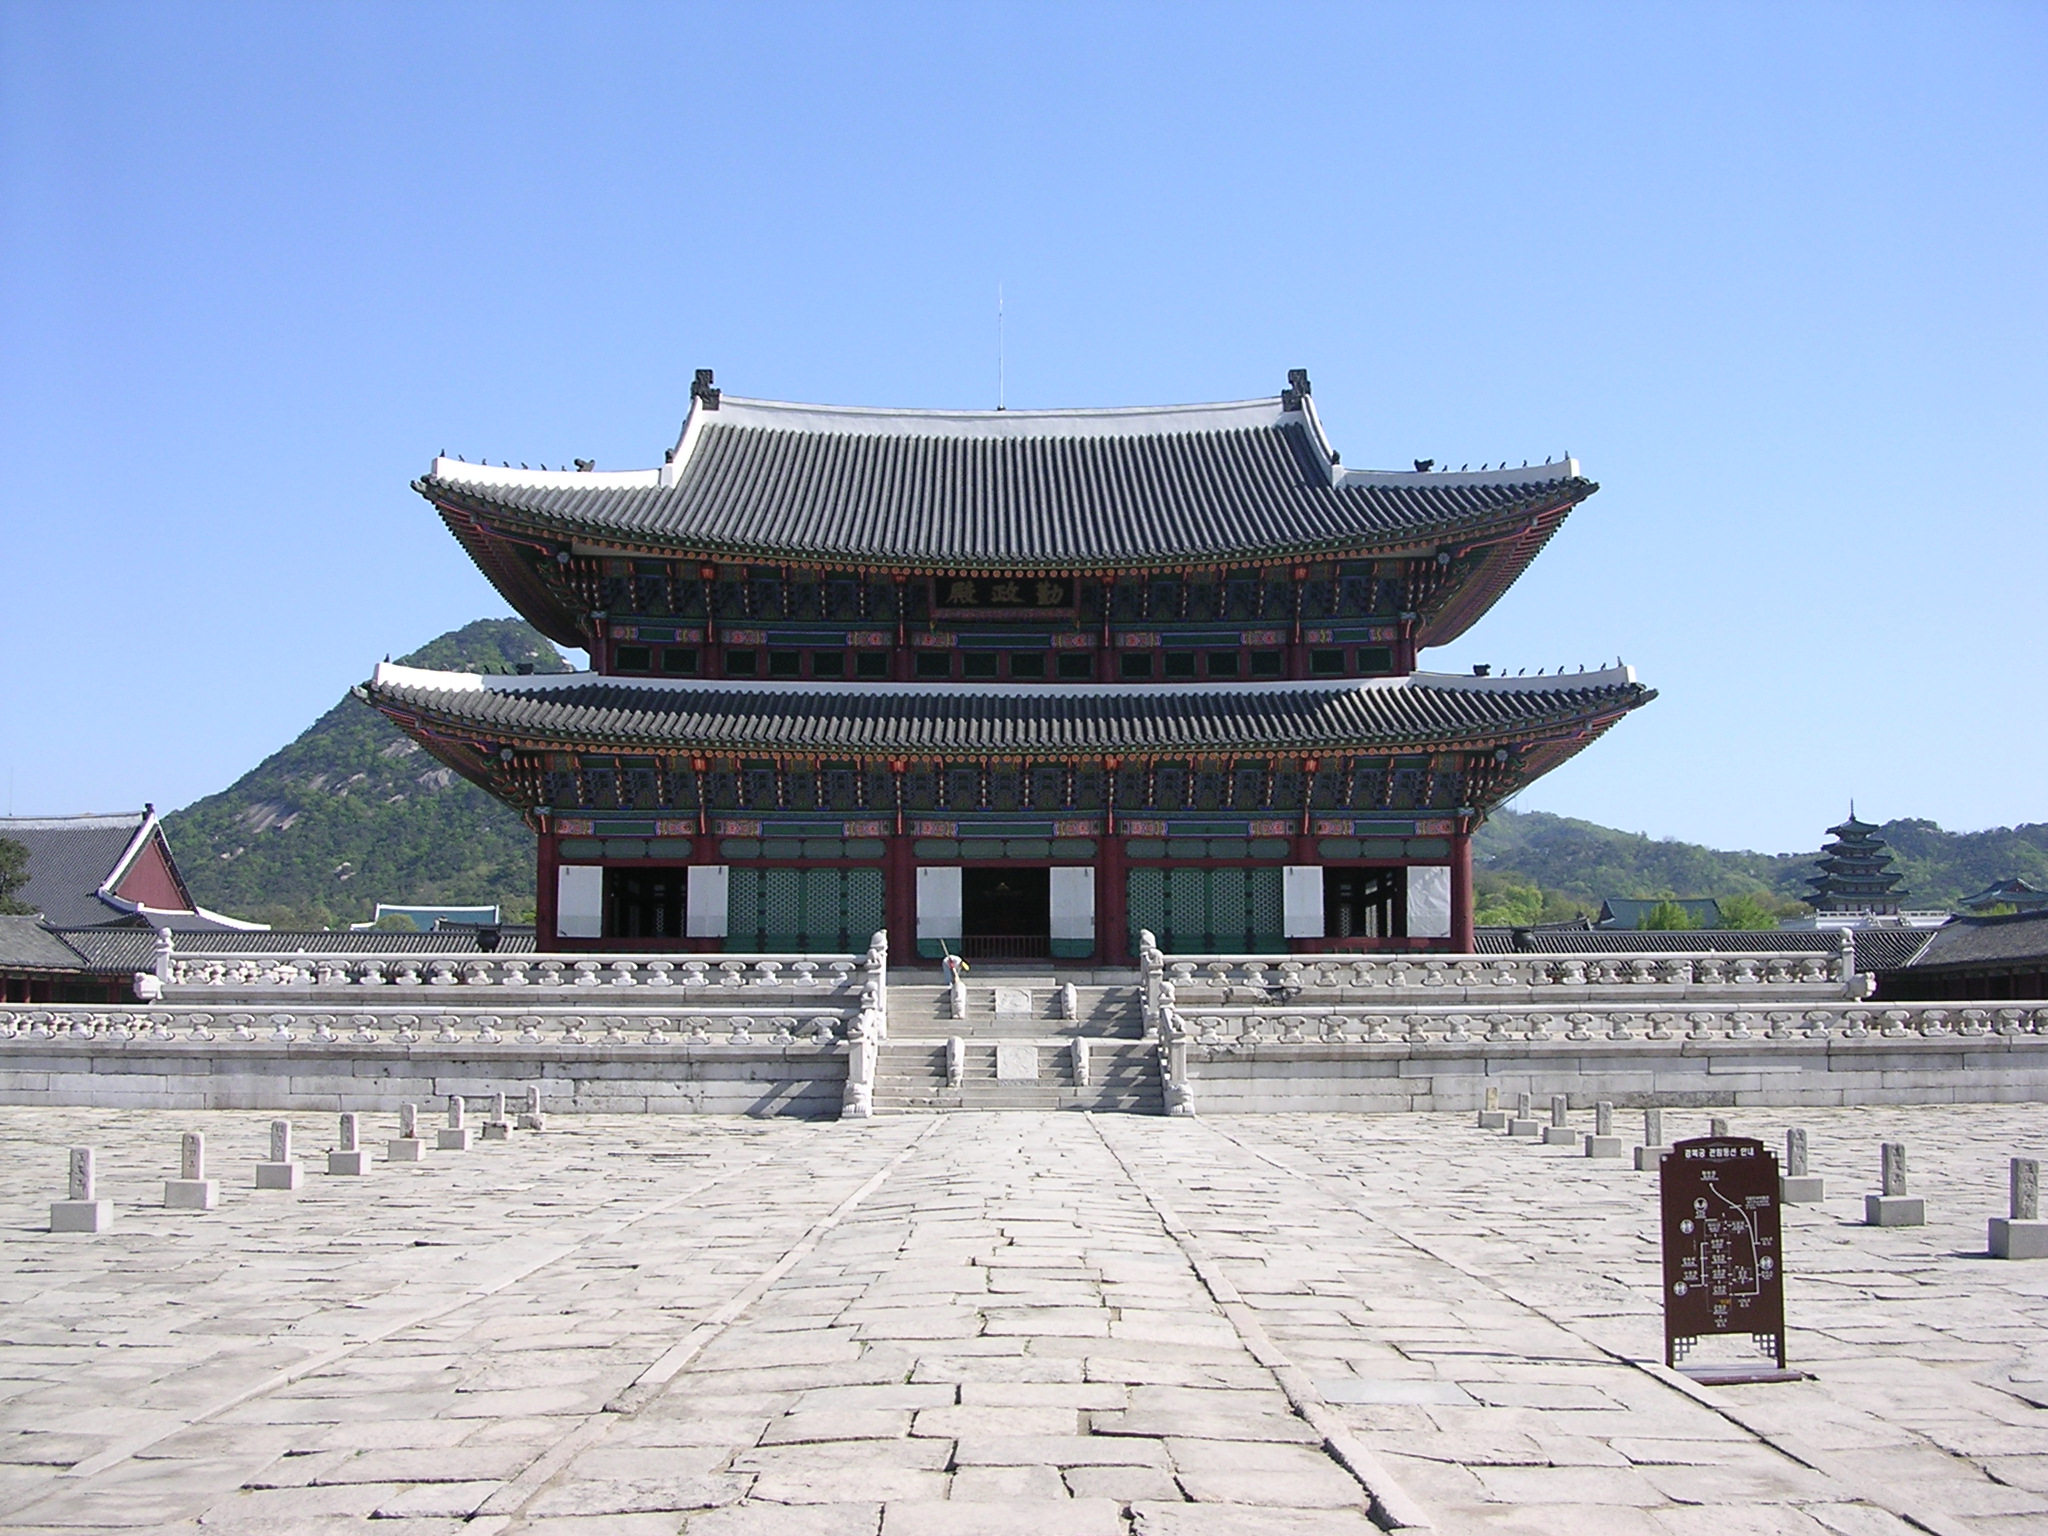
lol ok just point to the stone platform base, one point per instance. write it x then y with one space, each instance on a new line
191 1194
81 1215
1894 1211
2018 1239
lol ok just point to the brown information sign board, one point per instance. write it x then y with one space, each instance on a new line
1723 1264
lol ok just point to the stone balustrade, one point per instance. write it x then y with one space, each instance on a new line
109 1028
1363 1060
1238 1028
178 971
785 973
1472 976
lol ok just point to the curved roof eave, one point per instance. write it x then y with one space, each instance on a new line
1478 525
812 719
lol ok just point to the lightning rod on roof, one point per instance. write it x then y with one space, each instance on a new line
1000 356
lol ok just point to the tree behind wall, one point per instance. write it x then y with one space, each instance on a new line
13 875
1667 917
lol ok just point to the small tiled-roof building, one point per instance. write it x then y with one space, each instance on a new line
1018 684
92 874
86 870
1983 958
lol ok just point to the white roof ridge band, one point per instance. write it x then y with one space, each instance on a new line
85 820
392 675
740 412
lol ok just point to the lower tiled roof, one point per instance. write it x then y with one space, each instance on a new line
117 950
2011 939
1877 949
1419 711
26 945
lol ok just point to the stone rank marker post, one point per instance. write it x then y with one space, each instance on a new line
407 1146
496 1126
1892 1206
530 1118
1603 1142
83 1211
1525 1122
455 1135
1799 1187
1649 1156
2021 1234
1559 1132
350 1157
191 1190
280 1172
1493 1117
1723 1269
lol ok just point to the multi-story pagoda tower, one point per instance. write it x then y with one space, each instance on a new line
1017 682
1855 872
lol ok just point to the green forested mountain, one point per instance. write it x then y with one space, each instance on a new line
1530 865
353 813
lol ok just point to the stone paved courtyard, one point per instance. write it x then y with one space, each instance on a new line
1031 1323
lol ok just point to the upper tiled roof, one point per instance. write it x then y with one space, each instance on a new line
650 714
1006 489
70 858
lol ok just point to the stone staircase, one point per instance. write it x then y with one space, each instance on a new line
1018 1049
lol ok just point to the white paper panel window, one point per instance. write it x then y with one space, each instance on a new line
1429 901
1301 896
579 901
1073 904
704 912
938 903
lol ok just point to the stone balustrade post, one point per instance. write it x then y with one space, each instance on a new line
1179 1090
858 1101
1151 970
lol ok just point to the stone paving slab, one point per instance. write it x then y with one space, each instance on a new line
1236 1326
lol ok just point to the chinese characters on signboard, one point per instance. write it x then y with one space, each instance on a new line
1003 594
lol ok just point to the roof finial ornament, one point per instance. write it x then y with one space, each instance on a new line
701 389
1296 391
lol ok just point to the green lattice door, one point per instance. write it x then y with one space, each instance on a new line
1197 911
814 911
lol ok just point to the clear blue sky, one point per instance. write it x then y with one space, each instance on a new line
1775 273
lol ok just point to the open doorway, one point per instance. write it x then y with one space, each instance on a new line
1006 914
644 903
1365 903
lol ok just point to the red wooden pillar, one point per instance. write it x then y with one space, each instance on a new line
544 887
900 901
1461 893
1112 905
